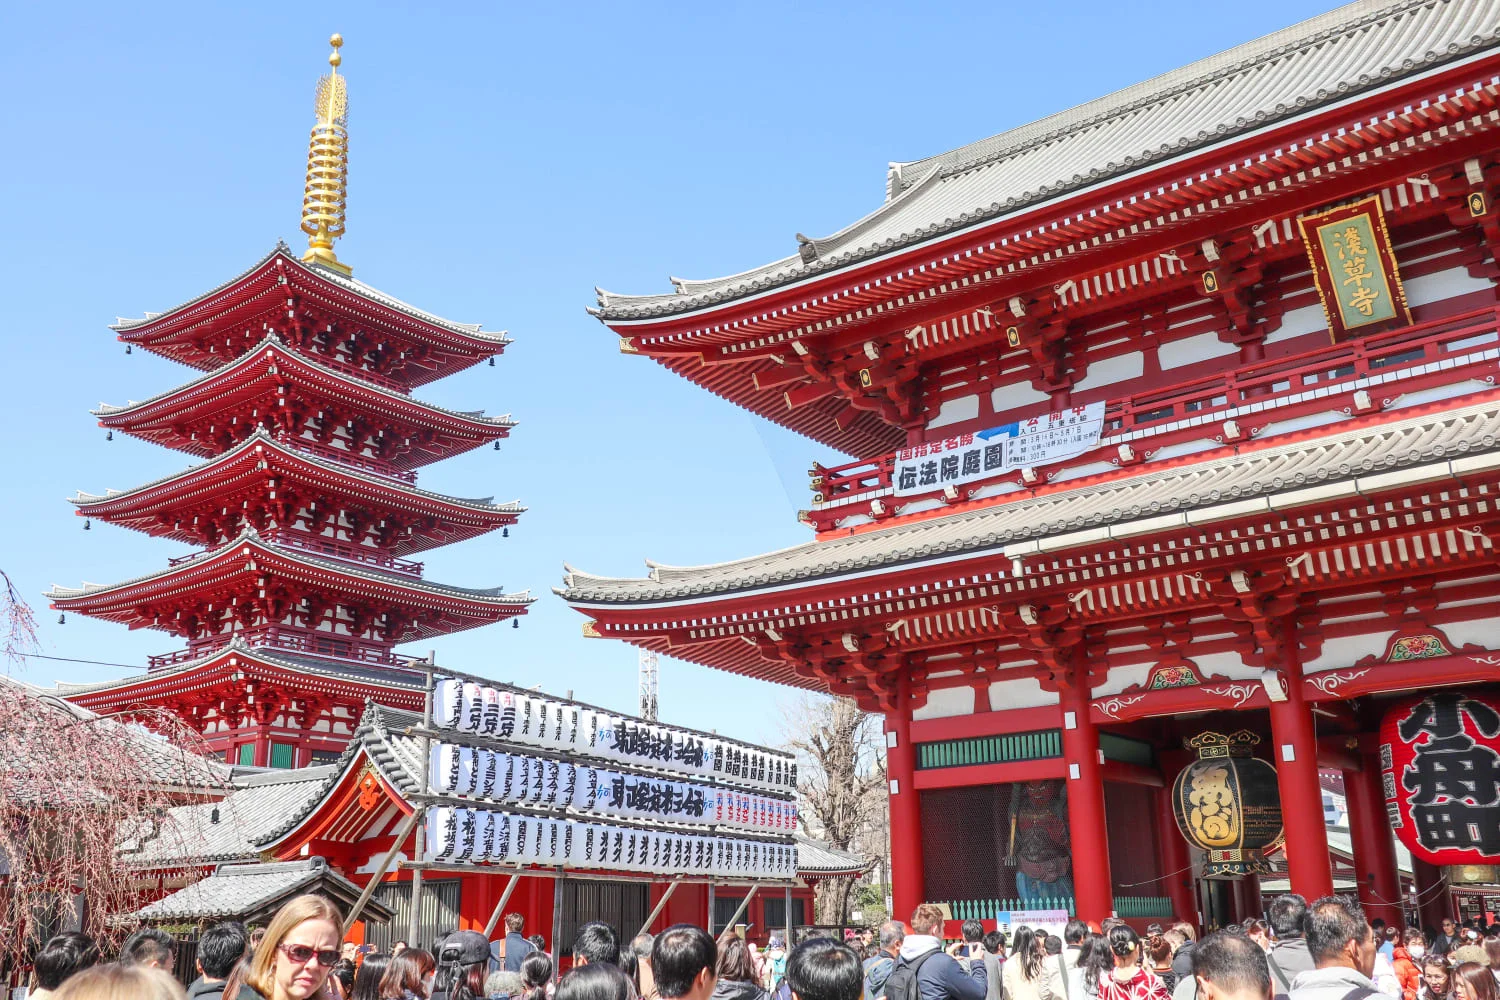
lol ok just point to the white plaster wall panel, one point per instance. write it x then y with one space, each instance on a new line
945 703
1079 471
1297 323
1110 371
1347 651
955 410
1188 447
1008 397
1021 693
1121 678
1447 284
1437 393
1191 350
1302 423
1224 664
1480 631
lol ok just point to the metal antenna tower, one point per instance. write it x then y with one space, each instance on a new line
647 662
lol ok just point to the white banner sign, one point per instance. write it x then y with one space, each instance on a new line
968 458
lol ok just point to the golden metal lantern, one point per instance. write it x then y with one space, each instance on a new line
1227 803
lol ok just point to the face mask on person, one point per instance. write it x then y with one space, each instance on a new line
1417 950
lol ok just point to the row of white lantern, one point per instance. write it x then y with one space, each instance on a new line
546 722
478 836
506 777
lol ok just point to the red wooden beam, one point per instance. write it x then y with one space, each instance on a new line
991 774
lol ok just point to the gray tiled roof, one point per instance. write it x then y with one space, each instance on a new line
248 889
815 858
1356 48
1330 457
190 834
328 274
171 766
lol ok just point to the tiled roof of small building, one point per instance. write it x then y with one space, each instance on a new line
1328 58
247 889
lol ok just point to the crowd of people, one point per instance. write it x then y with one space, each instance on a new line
1323 951
301 955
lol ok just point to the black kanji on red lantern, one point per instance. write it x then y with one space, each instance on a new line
1454 781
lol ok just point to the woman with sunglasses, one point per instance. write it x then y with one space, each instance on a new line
300 948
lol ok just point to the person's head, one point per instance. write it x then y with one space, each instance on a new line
1436 975
220 948
1095 959
683 959
734 963
1339 935
1231 967
642 944
596 942
117 981
1186 929
349 951
1288 914
890 936
149 946
927 919
973 931
462 959
823 969
299 949
1475 981
1174 938
1026 948
514 923
63 956
1074 932
371 972
1492 950
538 942
407 973
1125 944
341 976
500 985
1449 927
1159 949
595 981
1052 944
994 943
1415 944
397 947
536 973
1378 926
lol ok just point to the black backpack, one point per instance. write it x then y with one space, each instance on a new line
901 984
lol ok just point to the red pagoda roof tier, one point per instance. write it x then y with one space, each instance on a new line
254 585
266 482
277 388
200 680
282 294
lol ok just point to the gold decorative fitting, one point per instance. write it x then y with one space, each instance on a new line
324 197
1211 745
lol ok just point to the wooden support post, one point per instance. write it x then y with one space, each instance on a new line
661 904
740 911
710 908
510 887
382 868
557 923
416 889
421 841
788 914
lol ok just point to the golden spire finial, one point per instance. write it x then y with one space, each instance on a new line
327 167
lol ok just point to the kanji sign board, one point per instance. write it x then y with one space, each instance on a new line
968 458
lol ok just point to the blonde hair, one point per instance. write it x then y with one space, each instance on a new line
262 974
121 982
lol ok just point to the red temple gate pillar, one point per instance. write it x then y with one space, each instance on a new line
1434 898
1246 896
1172 850
1295 756
1093 890
1374 847
906 814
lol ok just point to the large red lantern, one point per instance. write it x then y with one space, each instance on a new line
1440 763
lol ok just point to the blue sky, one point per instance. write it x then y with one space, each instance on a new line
505 159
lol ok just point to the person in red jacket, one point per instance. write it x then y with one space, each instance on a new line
1407 960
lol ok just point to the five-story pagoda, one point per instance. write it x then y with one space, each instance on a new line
306 504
